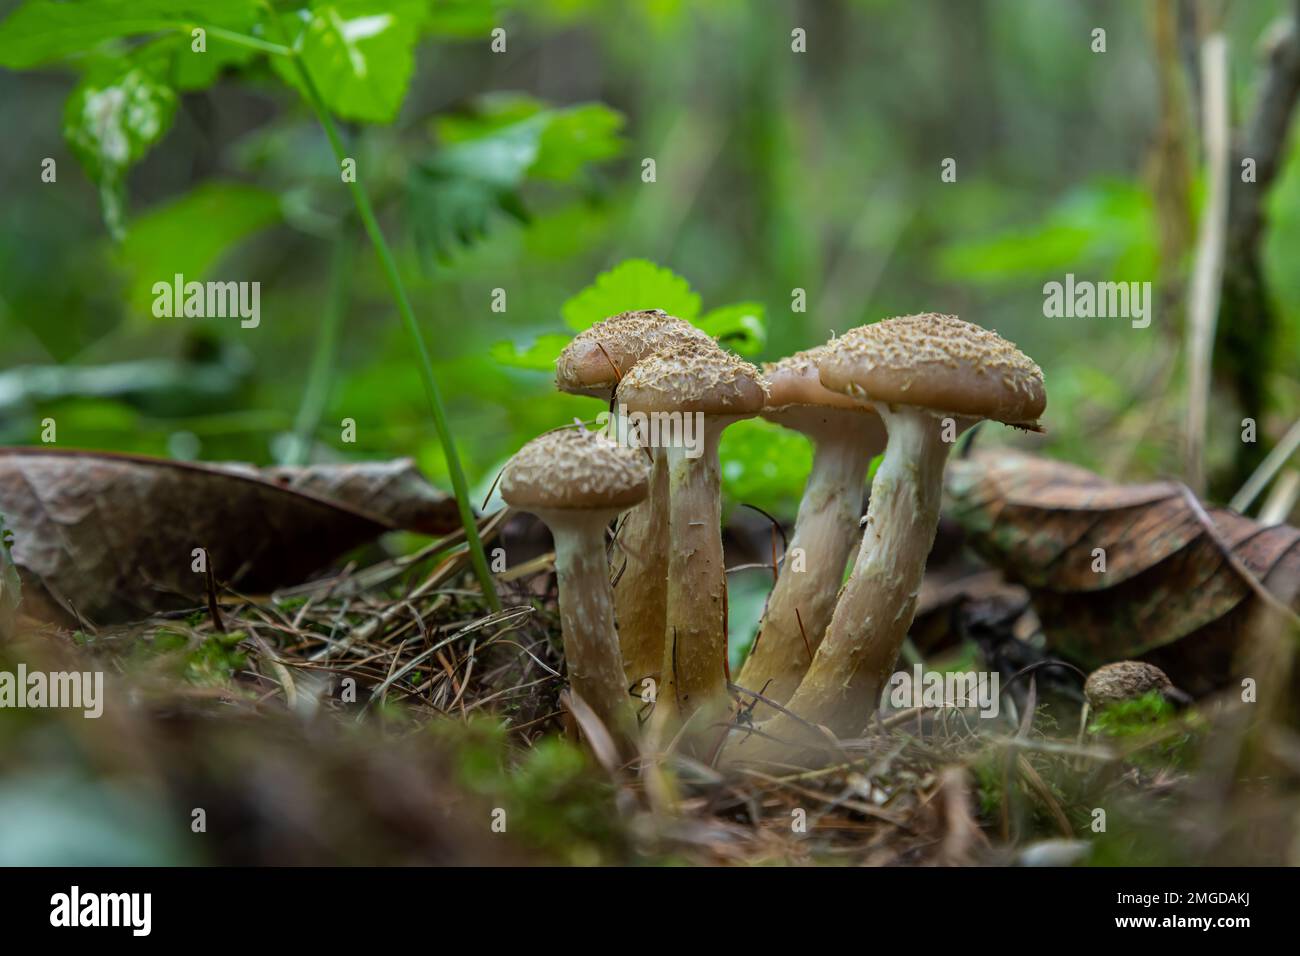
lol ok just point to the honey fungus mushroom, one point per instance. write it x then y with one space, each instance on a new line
598 357
693 392
917 371
1127 680
577 482
592 364
845 435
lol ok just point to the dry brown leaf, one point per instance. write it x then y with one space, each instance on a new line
111 537
394 490
1166 579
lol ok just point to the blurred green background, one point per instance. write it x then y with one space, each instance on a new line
522 171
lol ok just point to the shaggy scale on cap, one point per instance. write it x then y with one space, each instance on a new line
794 380
694 377
584 368
937 362
572 468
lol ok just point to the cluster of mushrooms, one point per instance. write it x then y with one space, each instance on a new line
826 646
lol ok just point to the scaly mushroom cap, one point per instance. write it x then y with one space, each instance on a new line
694 377
584 367
575 469
937 362
1124 680
794 380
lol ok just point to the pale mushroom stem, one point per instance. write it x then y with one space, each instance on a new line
587 616
874 611
695 633
642 590
824 532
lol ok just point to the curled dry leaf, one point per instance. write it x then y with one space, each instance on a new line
1122 571
112 537
394 490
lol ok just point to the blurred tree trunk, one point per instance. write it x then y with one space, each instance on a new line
1247 328
1170 167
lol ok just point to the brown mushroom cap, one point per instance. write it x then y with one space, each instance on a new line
1124 680
575 469
694 377
937 362
795 380
586 366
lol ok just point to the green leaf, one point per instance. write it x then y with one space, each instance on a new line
567 139
764 464
113 117
454 195
740 326
491 112
359 53
197 71
501 158
466 19
42 31
538 357
190 235
632 284
173 58
575 137
488 157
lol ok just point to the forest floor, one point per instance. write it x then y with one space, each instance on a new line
385 716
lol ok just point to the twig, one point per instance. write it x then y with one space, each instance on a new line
856 806
1207 275
397 656
441 572
505 616
1267 469
804 634
1281 499
286 679
1044 792
776 525
1245 573
209 579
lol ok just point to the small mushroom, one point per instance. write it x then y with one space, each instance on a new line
690 395
916 371
597 357
1125 680
577 482
845 435
592 364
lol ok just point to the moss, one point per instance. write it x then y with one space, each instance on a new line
1138 715
556 801
1151 731
216 660
212 663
